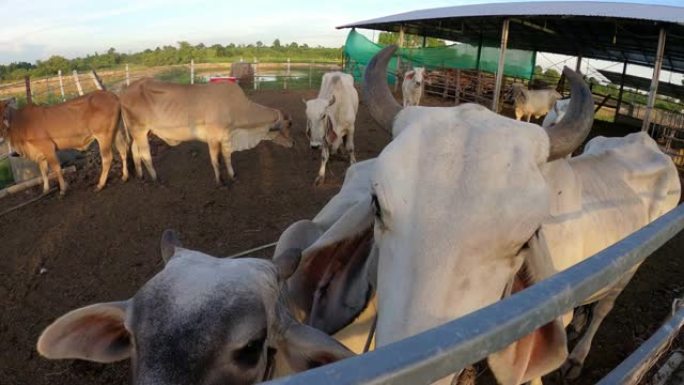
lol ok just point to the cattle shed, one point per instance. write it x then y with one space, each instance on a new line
629 33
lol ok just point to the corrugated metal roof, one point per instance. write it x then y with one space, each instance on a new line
601 30
657 13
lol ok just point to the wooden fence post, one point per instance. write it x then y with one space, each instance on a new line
27 81
96 80
128 76
192 72
457 93
78 83
61 84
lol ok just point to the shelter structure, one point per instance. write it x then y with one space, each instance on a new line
629 33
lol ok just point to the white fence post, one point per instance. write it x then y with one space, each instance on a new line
78 83
95 80
61 84
128 76
192 72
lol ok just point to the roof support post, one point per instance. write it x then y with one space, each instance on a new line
400 43
500 68
424 41
622 88
579 63
653 91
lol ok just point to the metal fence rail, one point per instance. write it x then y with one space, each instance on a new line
635 366
438 352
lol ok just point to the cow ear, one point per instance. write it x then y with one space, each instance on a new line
532 356
333 284
409 75
287 262
306 348
169 243
304 101
93 333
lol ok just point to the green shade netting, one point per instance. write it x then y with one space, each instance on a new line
520 64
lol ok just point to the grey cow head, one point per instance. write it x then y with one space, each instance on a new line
201 320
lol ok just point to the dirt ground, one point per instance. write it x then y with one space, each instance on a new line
60 254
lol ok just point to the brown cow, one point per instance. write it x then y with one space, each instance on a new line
37 132
219 114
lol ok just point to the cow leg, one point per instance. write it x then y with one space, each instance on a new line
122 148
528 117
53 162
106 154
573 366
144 153
214 150
227 151
44 174
518 114
137 160
325 154
349 145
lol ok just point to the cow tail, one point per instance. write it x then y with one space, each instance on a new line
123 126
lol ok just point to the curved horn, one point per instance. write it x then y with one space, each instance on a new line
568 134
381 103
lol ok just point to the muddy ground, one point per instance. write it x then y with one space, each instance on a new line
60 254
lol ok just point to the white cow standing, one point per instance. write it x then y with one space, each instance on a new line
412 87
532 102
331 116
469 207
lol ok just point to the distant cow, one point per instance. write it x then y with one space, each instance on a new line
37 132
532 102
412 88
331 116
219 114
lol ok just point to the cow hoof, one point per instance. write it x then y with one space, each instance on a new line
571 369
319 181
98 188
124 179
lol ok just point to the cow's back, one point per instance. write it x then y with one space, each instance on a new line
72 124
185 112
617 186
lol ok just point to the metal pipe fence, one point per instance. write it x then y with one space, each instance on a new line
446 349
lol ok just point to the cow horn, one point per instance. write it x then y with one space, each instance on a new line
568 134
381 103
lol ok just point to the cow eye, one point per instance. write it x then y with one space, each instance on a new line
249 354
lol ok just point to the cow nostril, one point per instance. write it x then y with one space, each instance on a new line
315 146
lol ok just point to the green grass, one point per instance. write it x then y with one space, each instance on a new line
5 173
179 75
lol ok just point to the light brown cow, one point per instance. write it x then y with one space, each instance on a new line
219 114
37 132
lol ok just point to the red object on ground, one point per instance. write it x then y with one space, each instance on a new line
223 79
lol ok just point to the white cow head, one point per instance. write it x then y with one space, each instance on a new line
318 120
417 75
201 320
457 195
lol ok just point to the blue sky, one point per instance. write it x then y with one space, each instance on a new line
37 29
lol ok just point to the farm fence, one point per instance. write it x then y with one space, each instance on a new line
447 349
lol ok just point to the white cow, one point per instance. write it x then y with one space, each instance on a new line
331 116
412 87
201 320
560 107
470 206
532 102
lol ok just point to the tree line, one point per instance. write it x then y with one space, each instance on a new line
181 53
